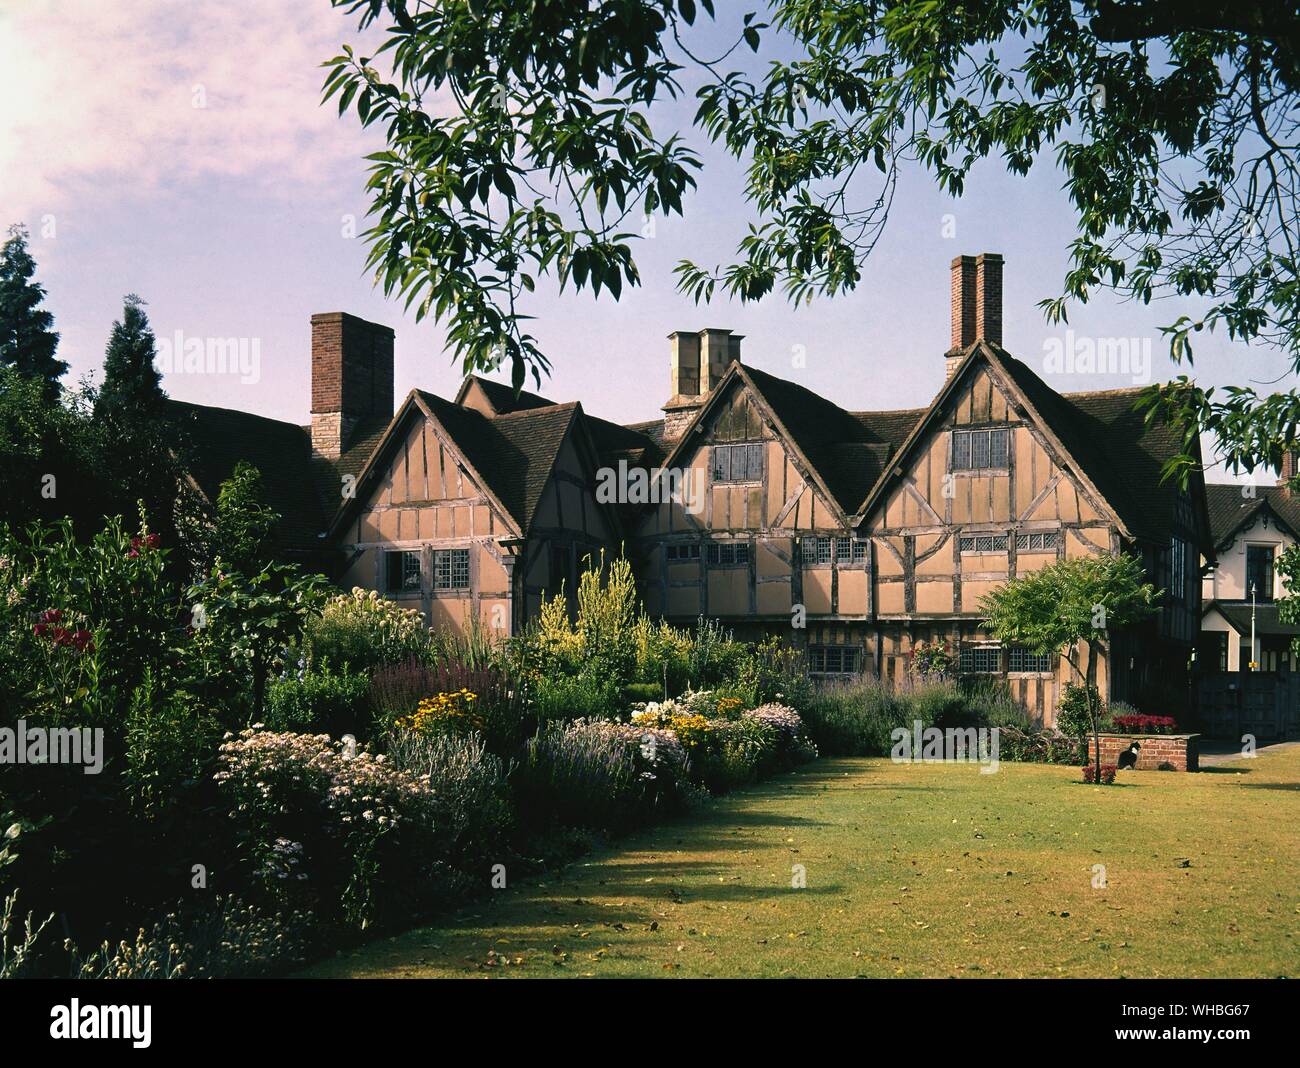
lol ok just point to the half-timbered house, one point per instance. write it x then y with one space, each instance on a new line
856 534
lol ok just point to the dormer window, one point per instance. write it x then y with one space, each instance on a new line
978 450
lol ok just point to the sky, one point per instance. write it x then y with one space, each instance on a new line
180 152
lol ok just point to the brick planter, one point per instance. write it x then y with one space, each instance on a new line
1179 750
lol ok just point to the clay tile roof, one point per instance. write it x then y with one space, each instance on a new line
1231 509
1113 445
513 453
504 399
849 450
221 437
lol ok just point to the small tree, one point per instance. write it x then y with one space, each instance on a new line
132 386
1071 603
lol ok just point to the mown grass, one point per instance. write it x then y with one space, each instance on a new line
912 870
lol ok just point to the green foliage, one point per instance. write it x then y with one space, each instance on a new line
362 630
855 717
252 621
935 660
604 775
18 941
318 702
170 742
470 784
27 342
1070 601
1288 605
227 938
568 697
989 703
1075 710
352 839
244 532
1173 127
132 388
240 532
110 591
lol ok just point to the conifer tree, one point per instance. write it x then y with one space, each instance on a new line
132 385
27 342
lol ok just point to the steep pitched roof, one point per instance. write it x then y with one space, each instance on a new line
503 398
514 454
1231 509
1108 442
850 450
1111 441
221 437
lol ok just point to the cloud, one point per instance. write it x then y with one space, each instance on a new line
144 97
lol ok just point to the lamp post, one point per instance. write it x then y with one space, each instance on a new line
1253 656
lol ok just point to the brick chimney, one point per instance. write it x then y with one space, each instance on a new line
699 360
351 378
1288 471
976 304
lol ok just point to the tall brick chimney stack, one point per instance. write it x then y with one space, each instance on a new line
976 304
699 360
351 378
1288 471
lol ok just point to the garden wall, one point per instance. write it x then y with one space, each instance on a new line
1179 750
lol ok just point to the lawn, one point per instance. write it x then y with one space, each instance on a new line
911 870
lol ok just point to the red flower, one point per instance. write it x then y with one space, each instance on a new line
40 629
62 636
153 541
52 615
83 641
132 554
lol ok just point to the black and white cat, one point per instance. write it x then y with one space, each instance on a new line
1129 758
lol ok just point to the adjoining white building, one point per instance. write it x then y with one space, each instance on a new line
1252 526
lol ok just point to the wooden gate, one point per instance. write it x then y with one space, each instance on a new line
1234 703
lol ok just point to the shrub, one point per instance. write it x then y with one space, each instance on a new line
771 671
724 753
229 939
318 701
605 775
567 697
855 717
326 825
939 703
1038 747
641 692
469 786
1107 773
662 657
170 742
397 690
361 630
18 944
1072 711
793 746
933 661
991 704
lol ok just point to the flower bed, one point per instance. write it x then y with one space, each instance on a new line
1139 724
